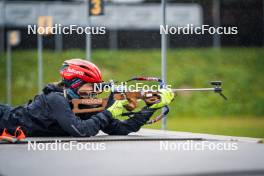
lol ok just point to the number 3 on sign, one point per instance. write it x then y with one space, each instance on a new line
96 7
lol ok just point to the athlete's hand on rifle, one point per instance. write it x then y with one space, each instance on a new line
166 97
116 107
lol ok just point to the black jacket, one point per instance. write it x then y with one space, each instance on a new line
50 114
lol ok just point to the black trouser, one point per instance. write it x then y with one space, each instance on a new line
2 112
5 113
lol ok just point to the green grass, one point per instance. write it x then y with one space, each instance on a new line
240 69
234 126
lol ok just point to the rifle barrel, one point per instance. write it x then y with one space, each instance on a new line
194 89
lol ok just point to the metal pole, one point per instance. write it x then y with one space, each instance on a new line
2 31
40 64
9 74
58 43
262 22
163 55
216 23
2 39
113 39
59 37
88 36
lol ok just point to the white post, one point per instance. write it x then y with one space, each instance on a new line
58 42
40 63
216 23
9 73
2 29
262 22
113 39
88 36
163 55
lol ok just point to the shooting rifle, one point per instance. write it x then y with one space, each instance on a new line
90 103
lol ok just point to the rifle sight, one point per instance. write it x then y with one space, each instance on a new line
216 83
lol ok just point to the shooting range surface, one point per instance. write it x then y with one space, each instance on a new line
136 154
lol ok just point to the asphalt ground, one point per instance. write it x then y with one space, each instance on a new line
148 152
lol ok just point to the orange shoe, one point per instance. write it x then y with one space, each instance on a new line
6 137
19 134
